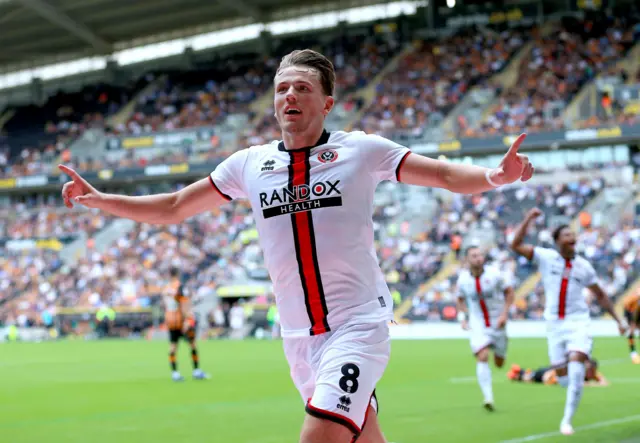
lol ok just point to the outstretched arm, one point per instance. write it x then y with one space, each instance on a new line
518 244
161 209
466 179
605 302
509 297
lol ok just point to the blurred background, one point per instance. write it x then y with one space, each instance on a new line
149 96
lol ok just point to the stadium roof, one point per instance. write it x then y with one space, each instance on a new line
35 32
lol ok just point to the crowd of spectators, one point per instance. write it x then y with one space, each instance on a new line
555 69
434 77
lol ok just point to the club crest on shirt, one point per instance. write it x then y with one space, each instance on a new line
328 156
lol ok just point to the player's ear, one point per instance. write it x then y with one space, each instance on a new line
328 105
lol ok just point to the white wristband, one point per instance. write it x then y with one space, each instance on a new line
487 175
462 316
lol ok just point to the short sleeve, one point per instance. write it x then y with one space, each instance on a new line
228 177
506 280
542 255
459 293
385 157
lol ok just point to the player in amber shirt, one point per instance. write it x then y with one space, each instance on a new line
181 323
632 314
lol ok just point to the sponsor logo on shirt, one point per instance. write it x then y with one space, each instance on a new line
300 198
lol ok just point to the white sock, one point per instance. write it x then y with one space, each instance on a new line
563 381
483 372
574 391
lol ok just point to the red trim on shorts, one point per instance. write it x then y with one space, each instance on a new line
225 196
483 304
366 414
332 416
404 157
305 244
562 303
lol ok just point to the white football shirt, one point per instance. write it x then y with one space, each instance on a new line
564 282
313 209
485 295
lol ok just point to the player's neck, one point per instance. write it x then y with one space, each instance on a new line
477 272
299 140
568 255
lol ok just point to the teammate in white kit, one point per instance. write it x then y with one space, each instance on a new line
564 277
486 294
312 199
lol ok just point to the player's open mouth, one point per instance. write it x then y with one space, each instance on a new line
292 111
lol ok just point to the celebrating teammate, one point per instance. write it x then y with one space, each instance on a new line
564 277
488 295
312 199
181 323
632 314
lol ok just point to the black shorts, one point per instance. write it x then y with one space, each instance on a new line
176 334
538 375
632 317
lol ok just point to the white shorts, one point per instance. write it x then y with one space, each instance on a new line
490 337
336 373
566 336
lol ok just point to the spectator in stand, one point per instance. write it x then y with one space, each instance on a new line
558 65
434 77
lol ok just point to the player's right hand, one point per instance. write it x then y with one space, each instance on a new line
78 190
534 213
622 327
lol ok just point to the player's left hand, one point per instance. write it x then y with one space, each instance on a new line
513 166
502 322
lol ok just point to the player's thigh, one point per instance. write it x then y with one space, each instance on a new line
320 430
480 341
353 361
629 317
500 345
190 336
557 347
174 336
371 433
579 341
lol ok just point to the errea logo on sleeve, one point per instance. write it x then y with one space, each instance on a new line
268 165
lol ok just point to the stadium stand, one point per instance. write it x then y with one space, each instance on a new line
433 78
218 253
558 65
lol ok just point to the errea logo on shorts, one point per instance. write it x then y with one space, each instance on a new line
344 404
300 198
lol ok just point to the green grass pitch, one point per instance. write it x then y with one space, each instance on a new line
121 391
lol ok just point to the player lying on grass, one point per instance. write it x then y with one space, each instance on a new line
549 375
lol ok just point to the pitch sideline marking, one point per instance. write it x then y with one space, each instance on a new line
600 424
